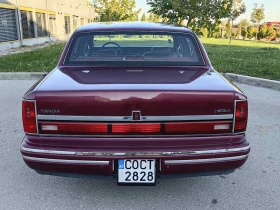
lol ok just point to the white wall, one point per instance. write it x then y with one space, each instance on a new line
60 8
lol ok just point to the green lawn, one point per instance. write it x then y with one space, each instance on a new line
243 57
250 58
39 60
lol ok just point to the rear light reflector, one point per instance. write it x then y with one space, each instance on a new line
199 127
29 117
222 127
136 128
49 128
241 116
72 128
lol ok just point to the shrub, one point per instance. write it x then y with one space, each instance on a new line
251 32
271 32
278 33
244 33
262 32
204 32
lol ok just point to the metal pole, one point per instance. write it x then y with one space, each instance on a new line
48 20
19 23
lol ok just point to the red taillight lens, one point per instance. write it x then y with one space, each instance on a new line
241 116
199 127
29 117
136 128
72 128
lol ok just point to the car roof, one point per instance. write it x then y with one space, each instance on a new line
132 26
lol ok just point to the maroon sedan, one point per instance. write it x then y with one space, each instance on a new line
134 101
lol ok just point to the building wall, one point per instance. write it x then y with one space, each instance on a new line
39 21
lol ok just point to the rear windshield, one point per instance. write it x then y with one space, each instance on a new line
134 49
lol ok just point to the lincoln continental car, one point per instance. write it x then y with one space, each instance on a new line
135 102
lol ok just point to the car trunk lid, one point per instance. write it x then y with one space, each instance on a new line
192 97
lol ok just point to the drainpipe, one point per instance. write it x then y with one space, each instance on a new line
48 21
18 15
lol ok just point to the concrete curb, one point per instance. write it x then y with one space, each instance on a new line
21 75
275 85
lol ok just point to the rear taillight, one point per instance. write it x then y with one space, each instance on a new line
72 128
136 128
241 116
199 127
29 117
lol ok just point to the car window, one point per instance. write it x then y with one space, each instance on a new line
135 40
139 49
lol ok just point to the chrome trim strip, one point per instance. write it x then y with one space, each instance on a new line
36 117
220 151
212 151
129 118
194 161
63 161
137 136
47 151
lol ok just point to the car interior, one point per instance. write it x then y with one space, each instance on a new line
116 48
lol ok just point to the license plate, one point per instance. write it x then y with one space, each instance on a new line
136 171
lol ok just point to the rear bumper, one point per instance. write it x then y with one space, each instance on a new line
189 156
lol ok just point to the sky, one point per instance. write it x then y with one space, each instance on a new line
272 9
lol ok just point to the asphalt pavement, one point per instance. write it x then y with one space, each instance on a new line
254 186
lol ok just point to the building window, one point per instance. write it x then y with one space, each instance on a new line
41 24
52 21
82 21
75 22
8 28
67 24
88 20
27 24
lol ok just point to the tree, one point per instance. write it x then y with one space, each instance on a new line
143 18
182 22
164 20
151 17
263 31
244 23
238 8
270 31
244 32
216 33
257 15
251 32
156 19
228 29
116 10
205 12
278 33
239 30
204 32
